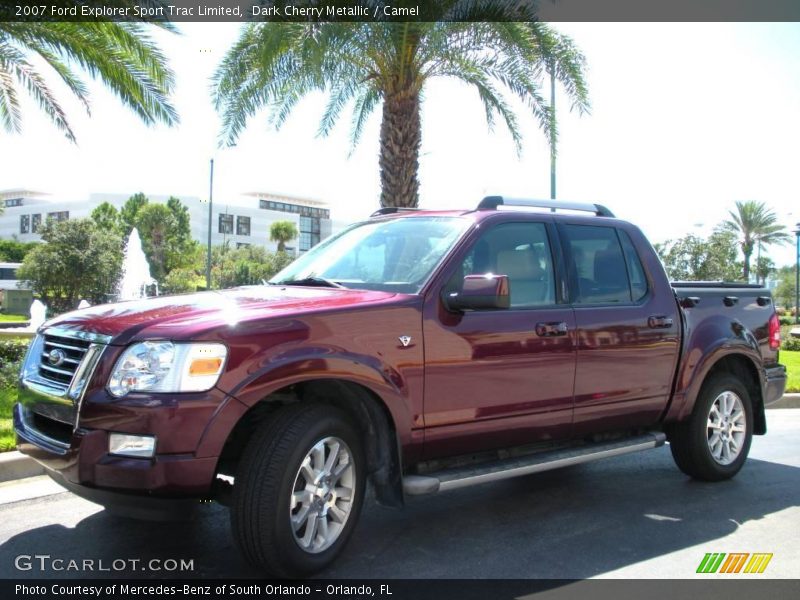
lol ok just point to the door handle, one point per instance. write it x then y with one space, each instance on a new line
552 329
659 322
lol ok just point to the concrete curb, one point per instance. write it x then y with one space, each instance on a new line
788 401
15 465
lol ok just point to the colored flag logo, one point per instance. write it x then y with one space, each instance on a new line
734 562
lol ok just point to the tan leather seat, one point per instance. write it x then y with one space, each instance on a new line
529 282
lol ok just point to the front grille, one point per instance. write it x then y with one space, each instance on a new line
60 358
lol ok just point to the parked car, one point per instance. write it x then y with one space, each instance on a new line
419 352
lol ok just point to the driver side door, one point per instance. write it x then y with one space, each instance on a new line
502 377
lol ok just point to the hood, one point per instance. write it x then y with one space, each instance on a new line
190 316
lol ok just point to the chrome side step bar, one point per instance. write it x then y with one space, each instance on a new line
451 479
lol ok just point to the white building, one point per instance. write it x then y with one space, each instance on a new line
243 220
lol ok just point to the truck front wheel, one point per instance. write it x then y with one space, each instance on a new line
298 490
713 443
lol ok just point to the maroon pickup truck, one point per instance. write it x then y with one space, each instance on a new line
419 351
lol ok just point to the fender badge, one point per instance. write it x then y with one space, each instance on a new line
405 340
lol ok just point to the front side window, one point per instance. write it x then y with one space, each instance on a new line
599 274
521 251
388 254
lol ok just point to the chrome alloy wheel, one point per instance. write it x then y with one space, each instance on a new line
322 496
727 426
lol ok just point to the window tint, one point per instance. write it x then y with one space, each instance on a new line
599 273
635 270
522 252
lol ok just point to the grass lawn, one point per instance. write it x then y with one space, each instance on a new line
13 318
792 362
7 399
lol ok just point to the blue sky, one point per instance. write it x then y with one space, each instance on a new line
686 119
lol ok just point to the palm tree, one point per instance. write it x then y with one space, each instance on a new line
753 223
368 64
282 232
121 55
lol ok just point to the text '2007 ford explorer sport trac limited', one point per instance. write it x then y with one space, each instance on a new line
421 351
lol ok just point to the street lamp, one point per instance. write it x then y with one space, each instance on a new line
210 219
797 277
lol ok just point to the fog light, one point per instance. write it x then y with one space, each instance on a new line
123 444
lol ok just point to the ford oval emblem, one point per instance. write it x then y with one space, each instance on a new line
56 357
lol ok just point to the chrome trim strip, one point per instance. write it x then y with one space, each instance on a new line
78 334
57 345
84 374
59 371
66 359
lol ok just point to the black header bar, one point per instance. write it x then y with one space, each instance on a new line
400 10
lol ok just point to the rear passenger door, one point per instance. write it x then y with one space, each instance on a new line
627 331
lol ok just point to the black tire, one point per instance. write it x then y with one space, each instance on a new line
265 482
689 440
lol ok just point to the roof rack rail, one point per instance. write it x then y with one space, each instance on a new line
492 202
390 210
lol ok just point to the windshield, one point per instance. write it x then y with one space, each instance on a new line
396 255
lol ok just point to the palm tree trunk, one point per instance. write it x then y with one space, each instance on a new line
746 267
401 134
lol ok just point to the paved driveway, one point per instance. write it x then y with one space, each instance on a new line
633 516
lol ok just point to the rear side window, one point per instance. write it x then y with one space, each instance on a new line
599 266
635 270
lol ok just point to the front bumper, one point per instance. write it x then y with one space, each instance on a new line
775 384
163 487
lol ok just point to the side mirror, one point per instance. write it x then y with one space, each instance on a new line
481 292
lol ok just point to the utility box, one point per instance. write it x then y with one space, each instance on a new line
17 302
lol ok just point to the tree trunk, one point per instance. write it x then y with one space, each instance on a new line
401 134
747 267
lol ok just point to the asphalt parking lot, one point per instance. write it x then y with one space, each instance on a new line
629 517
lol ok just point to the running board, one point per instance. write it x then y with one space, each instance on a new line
451 479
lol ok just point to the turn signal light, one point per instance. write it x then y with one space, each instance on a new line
205 366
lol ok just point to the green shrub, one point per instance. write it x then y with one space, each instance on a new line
791 343
13 349
786 320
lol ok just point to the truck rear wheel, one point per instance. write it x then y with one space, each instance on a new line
298 490
713 443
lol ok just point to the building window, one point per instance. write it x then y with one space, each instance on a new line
309 233
24 223
225 223
13 202
242 225
36 222
7 274
242 245
306 211
61 215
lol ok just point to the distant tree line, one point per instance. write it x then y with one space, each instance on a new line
716 258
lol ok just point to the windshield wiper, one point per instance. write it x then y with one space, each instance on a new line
312 281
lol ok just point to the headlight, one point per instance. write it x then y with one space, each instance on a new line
165 367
